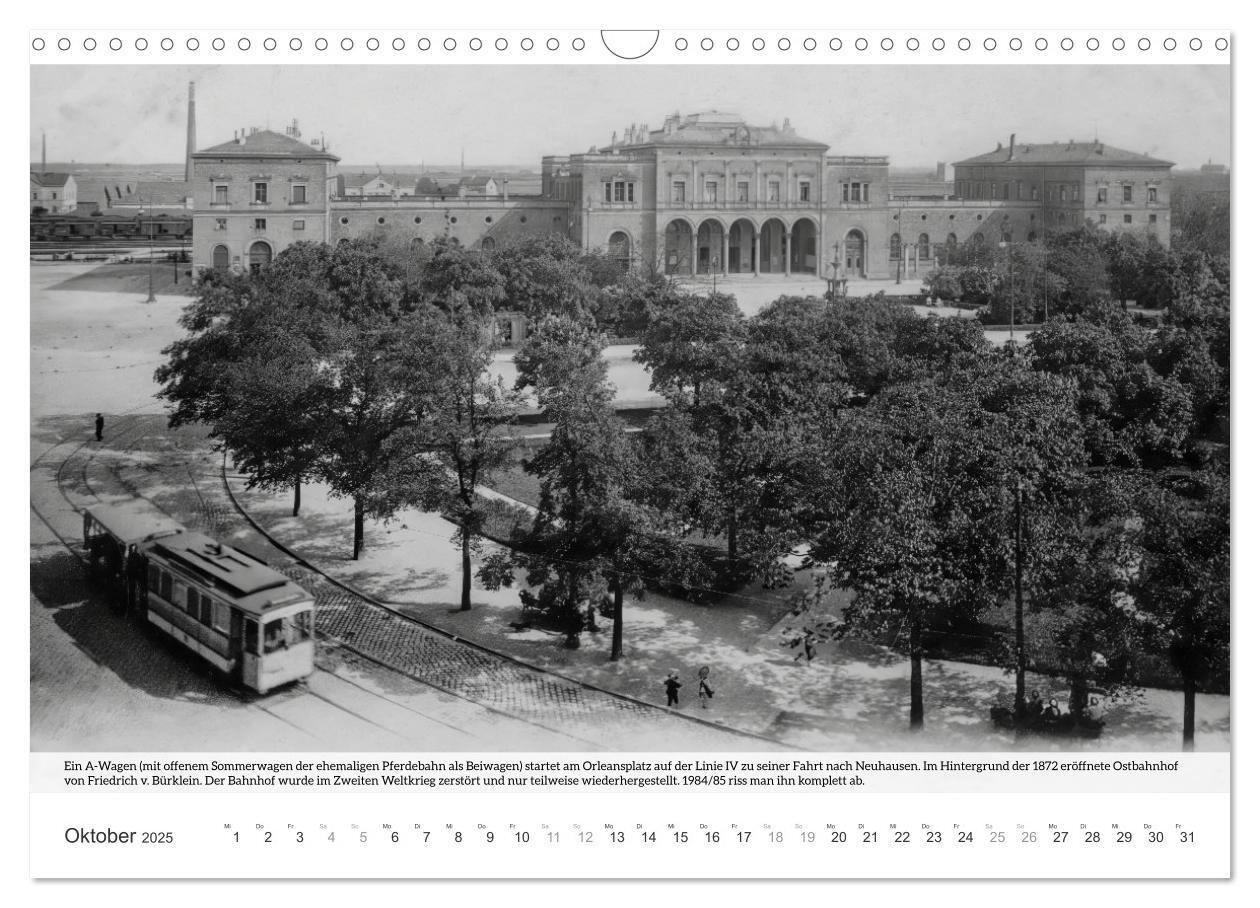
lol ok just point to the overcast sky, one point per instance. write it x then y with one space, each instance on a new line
515 114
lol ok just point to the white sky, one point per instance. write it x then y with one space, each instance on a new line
515 114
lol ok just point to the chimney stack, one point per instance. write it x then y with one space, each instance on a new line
1010 155
505 195
191 144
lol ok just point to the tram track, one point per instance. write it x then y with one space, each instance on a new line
76 488
64 468
347 619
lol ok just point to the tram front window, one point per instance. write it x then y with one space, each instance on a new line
285 632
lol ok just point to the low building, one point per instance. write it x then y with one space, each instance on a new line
56 193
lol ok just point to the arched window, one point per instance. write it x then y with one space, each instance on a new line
487 244
1006 236
619 248
894 246
925 246
220 258
978 237
1032 236
259 256
951 240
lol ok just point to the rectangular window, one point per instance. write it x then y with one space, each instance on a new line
299 194
772 193
1076 193
629 192
222 620
1152 218
993 190
1152 194
1128 219
619 192
866 192
220 223
803 191
207 611
1102 195
299 224
844 192
680 191
1127 193
1062 193
165 587
608 192
260 223
1006 191
220 194
710 192
1102 219
193 598
260 193
741 192
1036 192
1019 189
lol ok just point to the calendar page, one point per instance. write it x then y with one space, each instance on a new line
471 451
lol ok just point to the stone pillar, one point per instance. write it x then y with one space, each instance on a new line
695 251
787 251
756 253
726 251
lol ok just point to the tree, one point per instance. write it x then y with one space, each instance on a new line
468 424
299 371
1131 414
455 278
691 342
246 369
1183 580
544 275
908 518
1076 259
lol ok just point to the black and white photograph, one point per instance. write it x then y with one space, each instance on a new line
630 408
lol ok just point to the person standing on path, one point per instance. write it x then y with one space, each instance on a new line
672 686
100 427
705 692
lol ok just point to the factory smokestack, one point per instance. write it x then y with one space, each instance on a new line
192 132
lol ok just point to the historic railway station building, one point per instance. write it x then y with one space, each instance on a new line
705 194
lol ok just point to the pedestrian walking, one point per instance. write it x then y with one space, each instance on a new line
100 426
672 686
706 691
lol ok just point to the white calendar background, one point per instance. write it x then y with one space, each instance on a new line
1053 823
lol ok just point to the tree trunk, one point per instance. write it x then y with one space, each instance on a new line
1187 712
618 600
1020 704
916 672
465 589
732 547
358 527
297 496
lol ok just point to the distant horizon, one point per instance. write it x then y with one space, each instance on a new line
915 115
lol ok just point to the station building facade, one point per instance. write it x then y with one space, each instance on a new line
706 194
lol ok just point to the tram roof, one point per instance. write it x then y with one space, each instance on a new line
135 521
254 585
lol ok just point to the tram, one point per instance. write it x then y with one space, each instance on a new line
231 609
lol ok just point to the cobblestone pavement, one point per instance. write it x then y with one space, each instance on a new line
178 472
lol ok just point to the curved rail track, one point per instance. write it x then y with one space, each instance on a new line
141 458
